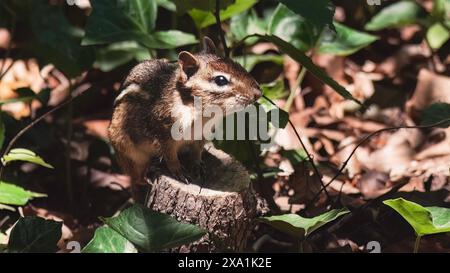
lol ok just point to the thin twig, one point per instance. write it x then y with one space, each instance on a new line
310 159
34 122
220 30
68 162
339 172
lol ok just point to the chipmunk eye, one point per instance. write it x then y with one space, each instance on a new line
221 80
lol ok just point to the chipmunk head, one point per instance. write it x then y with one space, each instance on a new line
218 81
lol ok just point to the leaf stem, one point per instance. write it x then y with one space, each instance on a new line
298 84
34 122
220 30
417 244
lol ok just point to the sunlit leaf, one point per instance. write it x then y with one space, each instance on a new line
203 18
107 240
205 5
424 220
395 15
299 226
20 154
14 195
437 35
250 61
344 41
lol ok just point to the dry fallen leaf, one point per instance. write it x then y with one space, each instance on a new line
431 88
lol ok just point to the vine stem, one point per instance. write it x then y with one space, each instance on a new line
298 83
310 159
69 133
339 172
34 122
220 30
417 244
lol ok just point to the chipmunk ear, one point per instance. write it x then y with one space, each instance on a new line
188 63
208 46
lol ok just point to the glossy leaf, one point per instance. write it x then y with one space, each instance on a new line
55 40
14 195
204 18
20 154
424 220
437 35
247 23
318 12
436 113
250 61
106 240
118 20
299 226
274 90
345 41
173 38
395 15
293 28
206 5
152 231
120 53
34 234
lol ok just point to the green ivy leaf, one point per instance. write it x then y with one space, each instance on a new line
436 113
250 61
293 28
152 231
134 20
437 35
424 220
247 23
309 65
274 90
34 234
318 12
173 38
117 54
345 41
206 5
395 15
301 227
20 154
106 240
14 195
204 18
55 40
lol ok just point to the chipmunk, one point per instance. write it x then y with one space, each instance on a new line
158 93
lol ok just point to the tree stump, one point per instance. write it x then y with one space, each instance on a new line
221 202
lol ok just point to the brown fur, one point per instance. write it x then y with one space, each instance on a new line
141 123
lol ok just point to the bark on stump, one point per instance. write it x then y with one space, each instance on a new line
221 203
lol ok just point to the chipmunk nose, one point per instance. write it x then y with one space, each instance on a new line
257 93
